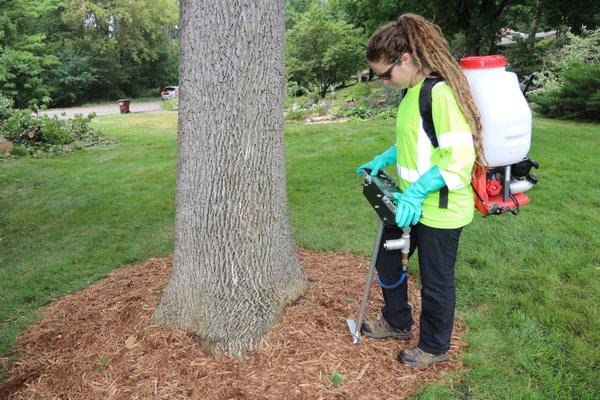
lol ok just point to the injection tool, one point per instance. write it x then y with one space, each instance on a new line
378 190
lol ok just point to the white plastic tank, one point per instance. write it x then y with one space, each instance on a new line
505 114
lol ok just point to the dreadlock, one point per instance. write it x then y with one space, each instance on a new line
429 49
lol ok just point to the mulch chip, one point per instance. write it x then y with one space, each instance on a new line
98 344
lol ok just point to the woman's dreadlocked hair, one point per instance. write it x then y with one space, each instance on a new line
429 49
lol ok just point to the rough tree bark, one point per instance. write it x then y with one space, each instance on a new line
235 267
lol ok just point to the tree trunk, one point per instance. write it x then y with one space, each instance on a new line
535 23
473 41
234 263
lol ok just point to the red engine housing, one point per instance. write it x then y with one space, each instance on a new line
488 195
497 205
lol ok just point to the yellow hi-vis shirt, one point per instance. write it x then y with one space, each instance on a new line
454 157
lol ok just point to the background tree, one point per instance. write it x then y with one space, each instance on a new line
234 263
131 46
571 15
294 10
23 56
74 50
323 51
477 21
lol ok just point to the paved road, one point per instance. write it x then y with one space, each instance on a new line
102 109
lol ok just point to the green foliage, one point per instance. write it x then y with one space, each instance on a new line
473 26
321 51
392 95
369 14
170 105
101 364
19 150
54 132
294 9
77 51
569 79
19 124
296 113
577 97
523 60
360 112
573 15
337 378
35 134
387 113
6 107
22 70
579 49
74 77
358 91
478 21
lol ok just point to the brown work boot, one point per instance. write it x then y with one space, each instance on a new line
379 329
417 358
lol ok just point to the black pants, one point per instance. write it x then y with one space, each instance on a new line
437 256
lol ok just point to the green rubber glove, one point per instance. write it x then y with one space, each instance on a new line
386 158
409 204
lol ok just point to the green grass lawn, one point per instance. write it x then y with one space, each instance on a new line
528 286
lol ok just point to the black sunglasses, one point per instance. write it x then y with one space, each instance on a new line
388 73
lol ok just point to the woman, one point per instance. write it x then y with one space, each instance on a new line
436 199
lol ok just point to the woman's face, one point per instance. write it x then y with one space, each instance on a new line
402 74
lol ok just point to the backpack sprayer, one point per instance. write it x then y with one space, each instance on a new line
506 119
499 186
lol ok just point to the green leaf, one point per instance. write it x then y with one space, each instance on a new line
337 378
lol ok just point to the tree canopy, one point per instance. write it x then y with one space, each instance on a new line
323 50
478 22
72 51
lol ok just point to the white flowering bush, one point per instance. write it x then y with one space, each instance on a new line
584 49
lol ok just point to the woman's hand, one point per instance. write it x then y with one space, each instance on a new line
374 165
408 209
386 158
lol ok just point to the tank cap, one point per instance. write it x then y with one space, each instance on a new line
478 62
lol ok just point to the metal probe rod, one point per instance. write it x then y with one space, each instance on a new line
365 297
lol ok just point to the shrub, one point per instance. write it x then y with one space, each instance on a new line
54 131
80 127
321 108
34 134
393 95
296 113
20 125
6 107
580 49
361 112
19 150
170 105
387 113
578 95
358 91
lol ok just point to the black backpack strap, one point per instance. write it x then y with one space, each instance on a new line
427 117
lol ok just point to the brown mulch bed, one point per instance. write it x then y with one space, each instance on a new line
98 344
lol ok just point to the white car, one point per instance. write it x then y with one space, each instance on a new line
169 92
